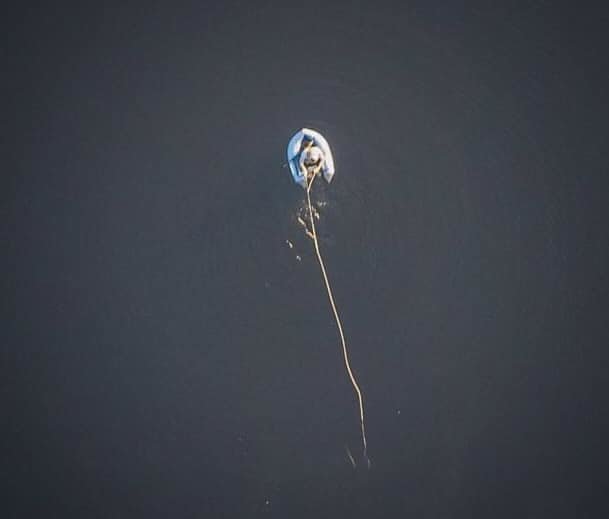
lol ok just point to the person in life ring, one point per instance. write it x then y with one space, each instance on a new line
311 158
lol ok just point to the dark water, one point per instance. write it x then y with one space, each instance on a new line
166 353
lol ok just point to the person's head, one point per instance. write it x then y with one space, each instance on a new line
307 142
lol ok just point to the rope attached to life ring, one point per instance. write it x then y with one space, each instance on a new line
337 318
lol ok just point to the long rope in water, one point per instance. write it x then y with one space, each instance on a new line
338 323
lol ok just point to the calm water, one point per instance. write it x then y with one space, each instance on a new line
168 353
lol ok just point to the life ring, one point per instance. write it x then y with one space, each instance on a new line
294 148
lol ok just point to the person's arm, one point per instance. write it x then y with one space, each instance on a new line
301 165
319 166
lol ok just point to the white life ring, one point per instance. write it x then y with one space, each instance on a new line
294 146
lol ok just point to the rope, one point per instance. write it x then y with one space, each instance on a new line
338 323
